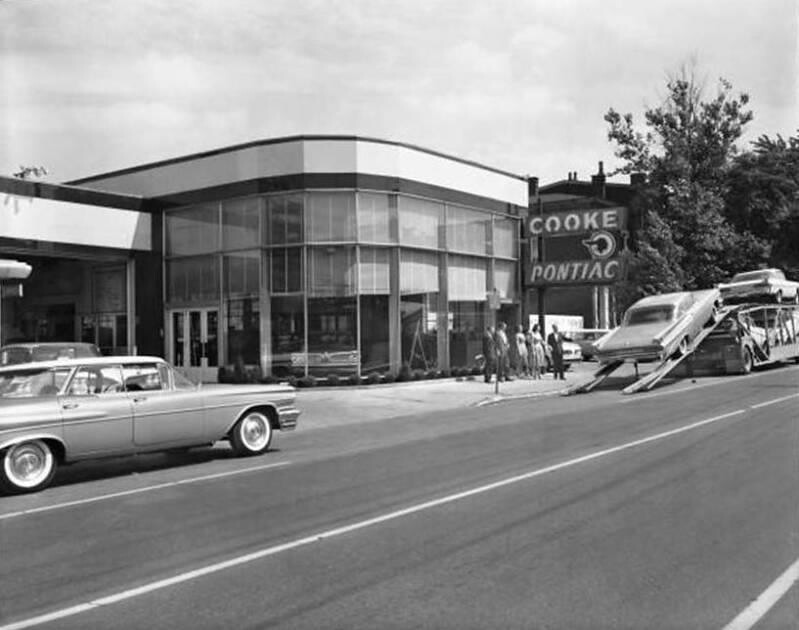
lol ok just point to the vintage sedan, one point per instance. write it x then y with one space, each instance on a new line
659 326
768 284
61 411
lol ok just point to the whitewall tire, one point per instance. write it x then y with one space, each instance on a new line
27 467
252 434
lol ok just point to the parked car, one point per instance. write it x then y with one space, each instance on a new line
15 353
659 326
585 338
61 411
769 284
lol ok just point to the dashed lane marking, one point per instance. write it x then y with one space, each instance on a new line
755 611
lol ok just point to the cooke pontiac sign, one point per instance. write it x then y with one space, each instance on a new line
578 246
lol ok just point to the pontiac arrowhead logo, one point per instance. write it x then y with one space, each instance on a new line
600 245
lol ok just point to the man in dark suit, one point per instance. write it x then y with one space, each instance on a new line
555 343
489 353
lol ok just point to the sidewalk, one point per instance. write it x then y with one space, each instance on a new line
336 406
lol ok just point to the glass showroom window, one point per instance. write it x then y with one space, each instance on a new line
332 324
190 280
419 289
284 222
466 276
467 230
241 223
287 311
242 282
420 222
330 216
505 237
374 289
192 230
377 218
285 265
505 279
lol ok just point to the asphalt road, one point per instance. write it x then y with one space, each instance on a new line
675 509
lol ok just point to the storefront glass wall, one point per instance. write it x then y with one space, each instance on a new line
327 259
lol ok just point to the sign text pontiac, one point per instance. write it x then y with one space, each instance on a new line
578 246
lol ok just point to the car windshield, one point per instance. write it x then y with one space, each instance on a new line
32 383
752 275
650 314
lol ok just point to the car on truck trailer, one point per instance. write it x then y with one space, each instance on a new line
749 335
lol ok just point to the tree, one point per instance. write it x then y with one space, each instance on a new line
686 151
763 200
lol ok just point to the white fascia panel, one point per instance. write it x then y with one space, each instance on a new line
330 156
75 223
228 167
436 170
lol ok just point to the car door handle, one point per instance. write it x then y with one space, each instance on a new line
139 399
70 405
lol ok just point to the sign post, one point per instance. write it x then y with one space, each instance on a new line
11 270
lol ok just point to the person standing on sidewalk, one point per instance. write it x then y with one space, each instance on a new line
555 343
489 353
537 355
503 361
521 349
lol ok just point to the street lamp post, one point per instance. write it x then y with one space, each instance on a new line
11 270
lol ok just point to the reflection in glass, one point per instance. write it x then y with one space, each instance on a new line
374 218
192 279
241 223
284 219
192 230
467 230
330 216
420 222
374 333
242 273
286 270
243 332
288 335
465 335
332 341
419 330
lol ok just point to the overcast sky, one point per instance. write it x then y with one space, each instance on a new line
88 86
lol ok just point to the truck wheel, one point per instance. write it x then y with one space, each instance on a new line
682 350
747 361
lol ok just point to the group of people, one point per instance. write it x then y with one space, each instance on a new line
523 353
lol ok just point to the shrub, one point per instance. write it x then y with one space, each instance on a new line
388 377
268 380
292 380
307 381
445 373
418 375
333 380
405 373
373 378
431 374
354 379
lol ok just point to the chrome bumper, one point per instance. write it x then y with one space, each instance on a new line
287 418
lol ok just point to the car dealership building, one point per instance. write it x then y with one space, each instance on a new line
300 255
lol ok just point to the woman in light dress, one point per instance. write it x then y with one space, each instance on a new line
537 357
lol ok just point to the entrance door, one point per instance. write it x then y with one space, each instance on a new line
195 343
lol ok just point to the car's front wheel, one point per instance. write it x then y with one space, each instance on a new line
746 364
252 434
682 350
27 467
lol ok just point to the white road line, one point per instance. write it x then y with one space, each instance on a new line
338 531
766 600
774 402
124 493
